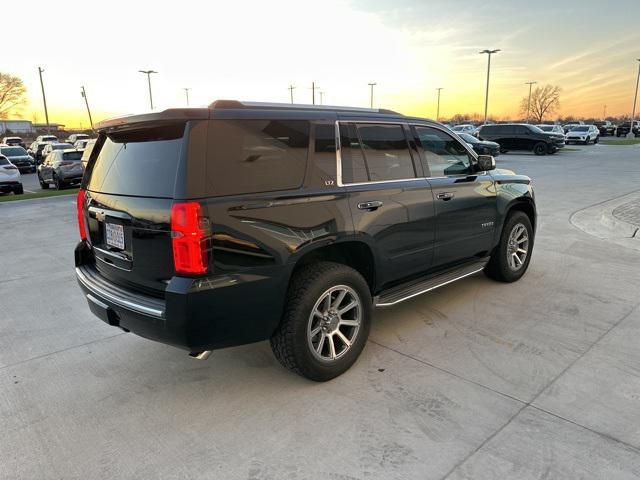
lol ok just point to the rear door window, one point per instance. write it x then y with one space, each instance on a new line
444 154
72 155
252 156
142 162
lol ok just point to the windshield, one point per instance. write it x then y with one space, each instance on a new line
61 146
72 155
468 138
49 138
579 129
4 161
13 151
546 128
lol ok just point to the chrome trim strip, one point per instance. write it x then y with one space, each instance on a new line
136 307
428 289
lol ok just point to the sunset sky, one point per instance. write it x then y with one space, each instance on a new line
253 50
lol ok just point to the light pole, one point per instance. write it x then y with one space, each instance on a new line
148 74
438 109
44 100
486 96
372 84
635 98
186 92
291 89
321 97
313 92
529 101
86 101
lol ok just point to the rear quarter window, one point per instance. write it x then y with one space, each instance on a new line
253 156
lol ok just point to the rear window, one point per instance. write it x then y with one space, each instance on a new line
72 156
13 151
4 161
140 162
252 156
49 138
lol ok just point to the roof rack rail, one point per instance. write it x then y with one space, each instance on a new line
223 104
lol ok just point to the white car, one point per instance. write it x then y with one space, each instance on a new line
464 128
10 179
583 134
551 128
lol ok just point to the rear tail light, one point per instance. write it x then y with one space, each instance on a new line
80 208
189 239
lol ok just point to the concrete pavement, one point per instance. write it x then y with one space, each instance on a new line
476 380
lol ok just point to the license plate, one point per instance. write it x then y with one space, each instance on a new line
115 235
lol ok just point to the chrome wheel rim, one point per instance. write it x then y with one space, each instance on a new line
334 323
517 247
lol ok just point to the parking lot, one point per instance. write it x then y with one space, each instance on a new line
476 380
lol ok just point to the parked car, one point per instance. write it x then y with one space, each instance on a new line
50 147
516 136
36 148
86 154
81 144
605 127
481 147
13 141
287 223
568 126
61 168
74 137
467 128
10 179
623 128
551 128
19 157
46 138
583 134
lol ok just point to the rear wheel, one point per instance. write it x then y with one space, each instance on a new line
511 257
58 183
44 185
19 190
326 321
540 148
586 142
596 140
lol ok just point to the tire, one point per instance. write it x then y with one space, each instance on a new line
57 182
500 267
18 190
44 185
596 140
296 346
540 148
586 142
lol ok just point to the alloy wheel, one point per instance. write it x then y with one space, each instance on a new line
517 247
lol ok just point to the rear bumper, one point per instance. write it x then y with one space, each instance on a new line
196 314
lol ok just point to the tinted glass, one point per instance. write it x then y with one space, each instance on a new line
251 156
13 151
520 130
4 161
386 152
534 129
468 138
580 129
444 154
138 162
61 146
72 155
546 128
323 161
354 169
49 138
497 130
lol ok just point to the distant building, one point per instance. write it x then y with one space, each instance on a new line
16 126
54 127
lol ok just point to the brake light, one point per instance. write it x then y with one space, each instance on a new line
188 239
80 207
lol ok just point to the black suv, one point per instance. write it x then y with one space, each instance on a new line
516 136
605 127
241 222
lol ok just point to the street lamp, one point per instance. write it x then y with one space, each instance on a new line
148 74
438 109
372 84
486 96
529 101
44 99
635 98
291 89
186 92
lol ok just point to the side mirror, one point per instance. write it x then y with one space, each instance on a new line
486 163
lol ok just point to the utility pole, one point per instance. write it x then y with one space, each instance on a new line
291 88
486 96
86 101
186 92
529 101
604 113
44 100
438 110
313 92
321 97
372 84
148 74
635 98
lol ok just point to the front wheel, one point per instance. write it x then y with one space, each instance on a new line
44 185
511 258
596 140
326 321
540 148
19 190
58 183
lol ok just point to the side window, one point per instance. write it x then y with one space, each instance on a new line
444 154
521 130
386 152
322 162
354 170
252 156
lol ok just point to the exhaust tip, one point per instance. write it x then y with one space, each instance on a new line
201 355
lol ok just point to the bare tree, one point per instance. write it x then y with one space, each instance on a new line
544 101
12 93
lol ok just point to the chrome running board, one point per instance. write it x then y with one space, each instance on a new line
416 287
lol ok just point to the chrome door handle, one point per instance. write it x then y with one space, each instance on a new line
370 205
445 196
